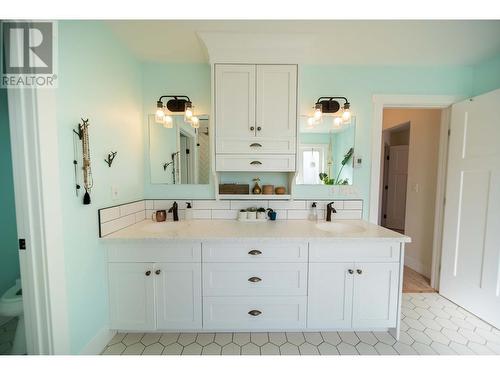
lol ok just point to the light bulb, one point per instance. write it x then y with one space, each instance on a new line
159 116
310 122
188 112
168 122
195 122
337 121
346 114
318 112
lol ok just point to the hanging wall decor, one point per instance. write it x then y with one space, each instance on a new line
88 182
111 157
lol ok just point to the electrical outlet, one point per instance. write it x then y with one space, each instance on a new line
114 192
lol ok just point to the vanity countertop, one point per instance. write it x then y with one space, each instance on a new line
278 230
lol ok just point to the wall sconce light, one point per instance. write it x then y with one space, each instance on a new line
176 103
330 104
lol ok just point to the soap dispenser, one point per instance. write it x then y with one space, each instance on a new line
189 212
313 215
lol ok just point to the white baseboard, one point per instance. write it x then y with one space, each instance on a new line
418 266
99 342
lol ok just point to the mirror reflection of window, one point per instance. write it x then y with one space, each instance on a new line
312 162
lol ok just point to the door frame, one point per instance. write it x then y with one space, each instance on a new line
412 101
34 141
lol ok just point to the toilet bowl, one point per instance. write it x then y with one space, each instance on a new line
11 305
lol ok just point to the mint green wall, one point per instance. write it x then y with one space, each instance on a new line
99 80
9 259
486 76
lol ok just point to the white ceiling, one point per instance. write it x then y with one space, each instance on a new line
332 42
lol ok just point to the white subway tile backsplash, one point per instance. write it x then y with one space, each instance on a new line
225 214
353 205
211 205
109 214
348 214
202 214
117 224
298 214
115 218
287 205
239 205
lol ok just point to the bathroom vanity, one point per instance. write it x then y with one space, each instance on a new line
224 275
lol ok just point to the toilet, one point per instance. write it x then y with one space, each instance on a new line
11 305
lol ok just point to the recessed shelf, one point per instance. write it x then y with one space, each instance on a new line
263 197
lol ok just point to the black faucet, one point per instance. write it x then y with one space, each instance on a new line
329 210
175 211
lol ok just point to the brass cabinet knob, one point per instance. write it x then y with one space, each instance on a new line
158 272
255 252
255 279
148 273
254 312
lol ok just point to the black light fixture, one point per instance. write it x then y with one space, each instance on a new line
330 104
177 103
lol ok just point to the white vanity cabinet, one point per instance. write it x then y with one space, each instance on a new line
255 117
354 285
155 287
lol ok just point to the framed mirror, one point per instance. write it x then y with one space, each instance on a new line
326 151
180 154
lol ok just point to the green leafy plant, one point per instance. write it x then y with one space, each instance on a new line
337 181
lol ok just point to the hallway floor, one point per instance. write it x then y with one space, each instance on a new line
430 325
414 282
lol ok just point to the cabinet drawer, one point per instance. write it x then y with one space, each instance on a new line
343 251
139 251
234 279
255 251
255 163
256 146
254 313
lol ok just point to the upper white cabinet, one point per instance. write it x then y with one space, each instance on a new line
235 101
255 114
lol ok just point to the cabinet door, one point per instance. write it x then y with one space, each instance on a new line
178 295
375 297
330 295
276 101
235 101
131 296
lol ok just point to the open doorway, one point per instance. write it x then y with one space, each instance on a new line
410 144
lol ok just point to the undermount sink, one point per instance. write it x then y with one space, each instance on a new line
337 227
156 227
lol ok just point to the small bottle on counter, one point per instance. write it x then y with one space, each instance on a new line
189 212
313 214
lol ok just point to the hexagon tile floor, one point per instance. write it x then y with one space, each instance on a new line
430 325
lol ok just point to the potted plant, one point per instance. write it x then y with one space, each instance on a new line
261 213
242 215
338 181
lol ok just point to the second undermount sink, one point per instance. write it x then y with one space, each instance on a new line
338 227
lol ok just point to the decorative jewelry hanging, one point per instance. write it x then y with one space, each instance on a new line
88 182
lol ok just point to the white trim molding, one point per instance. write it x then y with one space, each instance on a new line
411 101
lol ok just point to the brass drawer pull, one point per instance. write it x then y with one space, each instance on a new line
255 162
255 145
255 252
255 312
255 279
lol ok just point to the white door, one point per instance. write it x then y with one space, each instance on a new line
330 295
131 296
178 295
276 113
375 295
470 268
235 101
396 187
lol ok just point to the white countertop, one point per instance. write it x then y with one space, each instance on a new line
281 229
